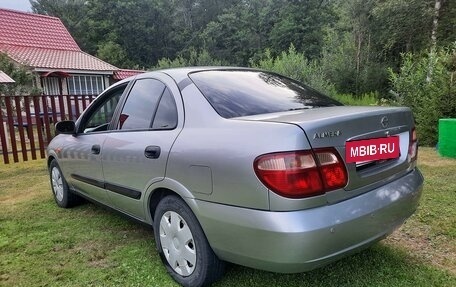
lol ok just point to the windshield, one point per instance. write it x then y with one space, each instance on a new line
237 93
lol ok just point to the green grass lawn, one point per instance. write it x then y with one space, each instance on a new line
43 245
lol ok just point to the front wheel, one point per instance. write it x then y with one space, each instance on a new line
182 245
62 194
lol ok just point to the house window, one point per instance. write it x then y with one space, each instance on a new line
85 85
51 86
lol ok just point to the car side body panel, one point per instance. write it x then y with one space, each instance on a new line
128 172
125 164
226 149
80 166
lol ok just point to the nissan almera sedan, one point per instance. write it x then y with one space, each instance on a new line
240 165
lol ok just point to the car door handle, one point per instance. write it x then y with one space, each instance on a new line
152 151
96 149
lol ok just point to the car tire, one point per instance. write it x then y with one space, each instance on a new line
62 194
182 245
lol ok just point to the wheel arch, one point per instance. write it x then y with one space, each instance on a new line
155 198
164 188
49 160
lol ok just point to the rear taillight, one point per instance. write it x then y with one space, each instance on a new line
332 169
301 174
413 146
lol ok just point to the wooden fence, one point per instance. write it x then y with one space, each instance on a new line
27 122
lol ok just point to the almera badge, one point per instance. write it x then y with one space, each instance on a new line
372 149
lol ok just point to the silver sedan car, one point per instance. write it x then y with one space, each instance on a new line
240 165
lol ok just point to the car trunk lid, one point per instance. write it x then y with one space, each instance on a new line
335 126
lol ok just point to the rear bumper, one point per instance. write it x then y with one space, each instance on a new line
302 240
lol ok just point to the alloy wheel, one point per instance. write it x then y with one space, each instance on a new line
57 183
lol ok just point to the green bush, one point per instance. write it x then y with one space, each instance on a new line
191 58
427 85
339 64
369 99
295 65
24 79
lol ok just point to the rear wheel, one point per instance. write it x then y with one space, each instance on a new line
182 245
62 194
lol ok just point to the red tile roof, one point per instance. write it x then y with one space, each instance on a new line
123 73
55 59
43 42
4 78
34 30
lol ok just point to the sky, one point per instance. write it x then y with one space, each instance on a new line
21 5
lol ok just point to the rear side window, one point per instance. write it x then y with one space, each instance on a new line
141 103
166 116
237 93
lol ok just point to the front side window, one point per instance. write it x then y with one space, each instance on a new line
85 84
101 117
237 93
141 104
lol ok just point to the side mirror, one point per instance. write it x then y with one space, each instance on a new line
65 127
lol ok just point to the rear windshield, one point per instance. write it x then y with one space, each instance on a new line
237 93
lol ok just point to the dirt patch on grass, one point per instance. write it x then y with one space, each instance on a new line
100 263
419 244
21 196
431 158
96 252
